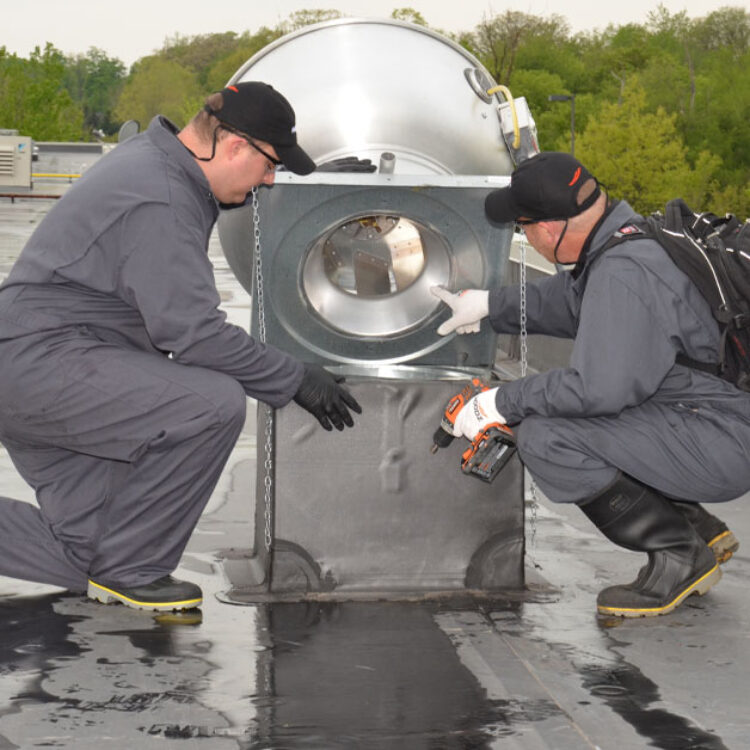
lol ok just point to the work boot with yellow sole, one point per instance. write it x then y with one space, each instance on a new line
712 530
164 594
680 563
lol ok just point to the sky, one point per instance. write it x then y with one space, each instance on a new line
130 29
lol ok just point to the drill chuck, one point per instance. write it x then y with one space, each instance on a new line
441 439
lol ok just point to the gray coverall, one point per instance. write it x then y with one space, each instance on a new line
122 386
623 403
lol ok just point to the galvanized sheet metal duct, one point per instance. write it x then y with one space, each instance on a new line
347 261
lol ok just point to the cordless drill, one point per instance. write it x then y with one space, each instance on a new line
491 448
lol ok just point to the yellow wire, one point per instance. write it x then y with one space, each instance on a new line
505 91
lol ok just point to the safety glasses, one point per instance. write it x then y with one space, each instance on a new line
273 161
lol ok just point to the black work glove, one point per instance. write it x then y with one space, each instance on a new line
347 164
320 393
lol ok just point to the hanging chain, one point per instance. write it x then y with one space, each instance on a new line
523 331
524 368
267 410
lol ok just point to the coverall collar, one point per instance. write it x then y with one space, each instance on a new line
163 134
617 213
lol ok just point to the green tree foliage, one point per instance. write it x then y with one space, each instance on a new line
246 46
409 15
725 28
719 119
554 51
301 18
623 137
498 40
615 55
95 81
199 53
33 97
159 86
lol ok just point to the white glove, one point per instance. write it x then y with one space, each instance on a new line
479 413
469 307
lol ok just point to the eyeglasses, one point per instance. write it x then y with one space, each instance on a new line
521 223
273 163
271 167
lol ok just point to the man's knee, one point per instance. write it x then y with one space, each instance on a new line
558 454
209 400
535 434
230 402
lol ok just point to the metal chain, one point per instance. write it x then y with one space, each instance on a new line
524 368
267 410
523 332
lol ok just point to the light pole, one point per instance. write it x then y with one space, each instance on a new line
572 99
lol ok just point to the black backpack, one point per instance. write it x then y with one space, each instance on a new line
714 252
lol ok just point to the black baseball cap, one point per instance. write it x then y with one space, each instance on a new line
548 186
258 110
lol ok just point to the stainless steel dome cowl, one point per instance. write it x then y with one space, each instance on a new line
369 86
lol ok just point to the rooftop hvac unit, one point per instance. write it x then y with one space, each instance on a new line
347 263
15 160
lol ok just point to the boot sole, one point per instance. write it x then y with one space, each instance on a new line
700 587
723 546
102 594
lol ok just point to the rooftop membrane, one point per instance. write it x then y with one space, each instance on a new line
536 669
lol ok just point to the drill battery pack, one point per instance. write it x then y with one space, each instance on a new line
489 453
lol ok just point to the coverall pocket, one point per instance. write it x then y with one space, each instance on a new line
108 379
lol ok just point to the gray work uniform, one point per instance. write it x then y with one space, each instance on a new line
622 403
122 387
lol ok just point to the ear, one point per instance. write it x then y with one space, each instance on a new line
233 145
550 229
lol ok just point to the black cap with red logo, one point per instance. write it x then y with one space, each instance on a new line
548 186
259 111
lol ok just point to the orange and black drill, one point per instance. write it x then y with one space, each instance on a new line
491 448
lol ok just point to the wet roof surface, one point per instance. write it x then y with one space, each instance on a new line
536 669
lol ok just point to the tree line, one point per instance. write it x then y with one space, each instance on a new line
662 108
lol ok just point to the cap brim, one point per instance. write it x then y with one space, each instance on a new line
500 207
295 159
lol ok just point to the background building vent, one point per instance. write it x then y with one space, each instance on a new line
15 160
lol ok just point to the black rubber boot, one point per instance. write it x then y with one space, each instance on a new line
164 594
680 563
712 530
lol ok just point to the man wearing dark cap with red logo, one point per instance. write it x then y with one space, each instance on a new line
123 387
627 432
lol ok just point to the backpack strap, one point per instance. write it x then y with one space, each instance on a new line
694 364
677 215
659 228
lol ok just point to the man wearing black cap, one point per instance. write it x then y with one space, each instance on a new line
636 440
123 387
